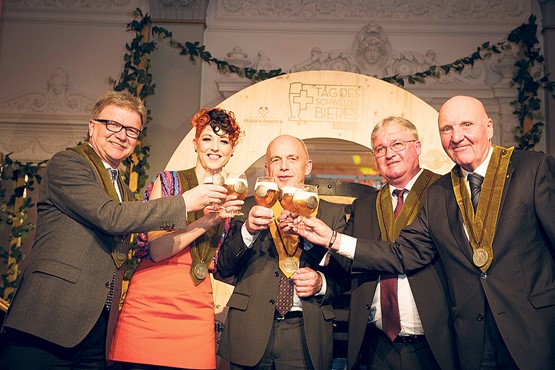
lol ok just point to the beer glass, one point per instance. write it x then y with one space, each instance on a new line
236 184
305 200
216 177
286 197
265 192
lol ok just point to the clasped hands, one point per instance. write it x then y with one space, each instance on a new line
312 229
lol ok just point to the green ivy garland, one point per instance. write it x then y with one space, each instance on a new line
13 215
527 78
137 79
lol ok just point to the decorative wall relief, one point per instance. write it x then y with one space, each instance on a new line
376 9
56 98
34 124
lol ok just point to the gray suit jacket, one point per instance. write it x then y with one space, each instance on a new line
518 286
64 286
252 304
428 286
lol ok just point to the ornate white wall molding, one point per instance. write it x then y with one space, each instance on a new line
72 11
178 9
34 124
441 10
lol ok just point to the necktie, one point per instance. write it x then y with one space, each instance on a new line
391 319
284 300
111 286
475 182
399 193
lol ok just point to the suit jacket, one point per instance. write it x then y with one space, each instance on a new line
64 286
252 304
429 288
518 286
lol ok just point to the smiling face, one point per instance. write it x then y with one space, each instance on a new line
213 151
466 131
287 161
113 147
398 168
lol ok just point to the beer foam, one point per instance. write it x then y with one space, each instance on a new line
303 195
289 190
233 180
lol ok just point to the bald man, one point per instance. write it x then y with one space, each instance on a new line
495 236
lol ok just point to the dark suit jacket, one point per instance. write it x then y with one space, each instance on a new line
429 288
252 304
518 286
64 287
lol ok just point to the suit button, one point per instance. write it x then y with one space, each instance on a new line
272 301
276 274
368 307
480 317
484 275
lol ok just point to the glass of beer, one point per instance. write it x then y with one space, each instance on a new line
305 200
216 177
286 197
265 192
236 184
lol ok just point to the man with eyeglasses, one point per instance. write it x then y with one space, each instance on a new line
491 222
67 303
397 321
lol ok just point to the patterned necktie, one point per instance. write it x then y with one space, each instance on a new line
475 182
284 300
391 319
108 303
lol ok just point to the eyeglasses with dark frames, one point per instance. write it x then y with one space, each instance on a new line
113 126
396 147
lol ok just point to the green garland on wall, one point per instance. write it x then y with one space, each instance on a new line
136 78
527 79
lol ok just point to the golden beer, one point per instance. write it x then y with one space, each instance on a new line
305 202
265 193
237 186
286 199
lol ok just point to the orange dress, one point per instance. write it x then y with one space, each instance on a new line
166 320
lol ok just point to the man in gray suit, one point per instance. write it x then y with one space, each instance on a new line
258 334
494 233
66 305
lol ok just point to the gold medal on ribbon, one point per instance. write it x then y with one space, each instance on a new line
480 256
291 264
200 270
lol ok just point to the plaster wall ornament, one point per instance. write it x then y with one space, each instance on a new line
55 98
178 9
439 10
68 4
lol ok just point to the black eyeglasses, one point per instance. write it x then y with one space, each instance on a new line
114 126
396 147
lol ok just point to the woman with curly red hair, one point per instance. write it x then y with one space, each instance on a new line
167 319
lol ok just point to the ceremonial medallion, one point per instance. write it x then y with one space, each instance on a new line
480 257
290 265
200 270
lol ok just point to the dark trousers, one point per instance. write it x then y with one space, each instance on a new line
286 349
379 353
496 355
22 351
